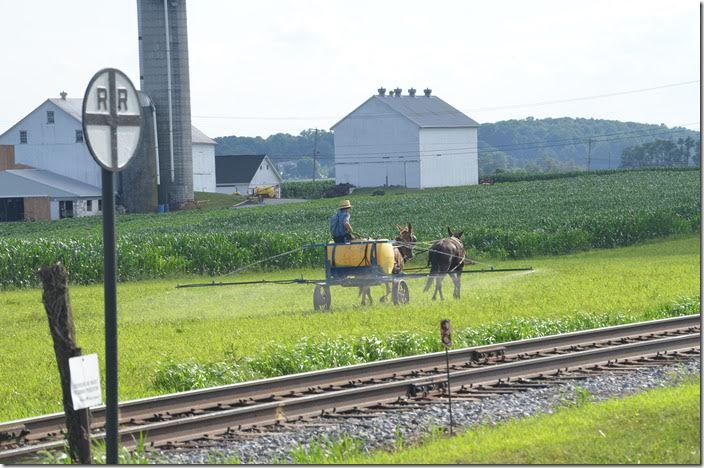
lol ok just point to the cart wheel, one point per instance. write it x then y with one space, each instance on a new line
400 292
321 297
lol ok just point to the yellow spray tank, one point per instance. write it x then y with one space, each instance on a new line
360 252
267 191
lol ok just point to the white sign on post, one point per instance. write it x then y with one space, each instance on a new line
112 119
85 381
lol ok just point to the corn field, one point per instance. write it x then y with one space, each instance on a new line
508 220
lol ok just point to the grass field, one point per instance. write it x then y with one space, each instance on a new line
159 323
660 426
510 220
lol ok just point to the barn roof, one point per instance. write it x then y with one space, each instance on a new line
20 183
424 111
74 108
239 168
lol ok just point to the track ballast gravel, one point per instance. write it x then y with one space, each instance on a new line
383 431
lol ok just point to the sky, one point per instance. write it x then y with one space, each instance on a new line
263 67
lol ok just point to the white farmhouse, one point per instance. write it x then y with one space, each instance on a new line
242 173
51 138
411 141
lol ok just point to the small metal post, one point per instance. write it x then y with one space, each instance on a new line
110 290
449 393
446 339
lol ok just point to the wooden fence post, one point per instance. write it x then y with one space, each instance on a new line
58 310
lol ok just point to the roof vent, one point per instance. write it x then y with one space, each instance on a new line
63 95
427 92
382 91
412 92
397 92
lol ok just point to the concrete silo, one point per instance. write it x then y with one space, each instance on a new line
164 78
138 182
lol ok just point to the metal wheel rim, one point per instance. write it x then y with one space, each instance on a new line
401 294
321 297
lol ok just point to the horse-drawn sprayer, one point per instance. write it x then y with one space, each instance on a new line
364 263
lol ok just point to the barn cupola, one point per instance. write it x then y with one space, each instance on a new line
412 92
63 95
427 92
397 92
382 91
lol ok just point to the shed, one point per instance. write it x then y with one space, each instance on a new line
242 173
406 140
36 194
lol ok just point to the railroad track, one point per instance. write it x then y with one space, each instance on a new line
475 372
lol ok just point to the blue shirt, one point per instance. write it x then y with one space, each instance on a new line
337 223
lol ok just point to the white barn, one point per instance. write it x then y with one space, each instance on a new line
406 140
51 138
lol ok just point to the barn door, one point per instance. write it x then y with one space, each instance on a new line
11 209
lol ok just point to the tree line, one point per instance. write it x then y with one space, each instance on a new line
527 145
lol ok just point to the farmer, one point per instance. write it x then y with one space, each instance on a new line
340 227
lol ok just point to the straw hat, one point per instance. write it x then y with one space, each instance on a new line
345 204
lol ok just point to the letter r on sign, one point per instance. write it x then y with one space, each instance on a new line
102 97
121 98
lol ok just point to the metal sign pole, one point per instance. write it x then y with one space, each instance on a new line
449 393
110 294
112 125
446 339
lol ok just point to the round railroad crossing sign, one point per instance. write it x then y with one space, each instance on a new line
112 119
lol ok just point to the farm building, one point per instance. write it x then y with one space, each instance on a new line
243 173
35 194
406 140
51 138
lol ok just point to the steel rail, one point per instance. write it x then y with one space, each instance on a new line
283 410
39 427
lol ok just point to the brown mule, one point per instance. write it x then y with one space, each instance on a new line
446 256
402 253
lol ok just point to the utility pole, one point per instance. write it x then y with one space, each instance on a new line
315 150
589 157
609 159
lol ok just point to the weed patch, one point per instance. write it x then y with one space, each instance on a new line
311 354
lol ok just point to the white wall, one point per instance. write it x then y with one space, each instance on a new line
203 167
80 208
54 209
265 175
457 163
53 147
370 150
230 189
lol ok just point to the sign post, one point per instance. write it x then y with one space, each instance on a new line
446 338
112 125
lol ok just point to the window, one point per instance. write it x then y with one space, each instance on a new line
23 137
100 205
66 209
89 205
50 117
79 136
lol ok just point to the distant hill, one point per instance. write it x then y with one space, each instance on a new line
535 145
563 143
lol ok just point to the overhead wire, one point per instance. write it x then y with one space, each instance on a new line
477 109
385 156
